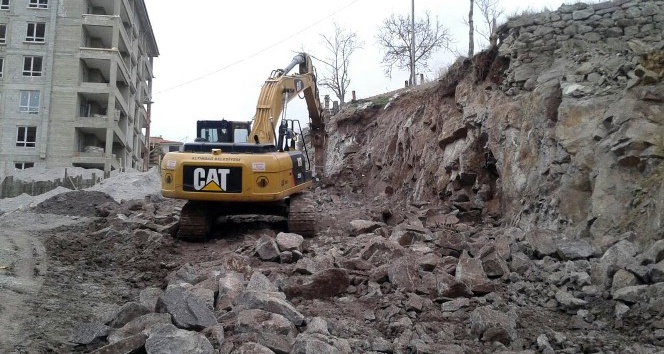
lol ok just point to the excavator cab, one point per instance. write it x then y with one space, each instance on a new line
222 131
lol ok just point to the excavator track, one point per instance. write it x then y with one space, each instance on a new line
195 221
302 215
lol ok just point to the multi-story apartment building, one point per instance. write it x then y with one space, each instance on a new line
75 83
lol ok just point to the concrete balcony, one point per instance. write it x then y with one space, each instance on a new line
88 160
96 56
95 88
97 122
102 6
100 20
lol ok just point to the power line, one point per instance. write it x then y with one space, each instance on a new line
258 52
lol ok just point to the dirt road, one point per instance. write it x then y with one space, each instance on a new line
22 270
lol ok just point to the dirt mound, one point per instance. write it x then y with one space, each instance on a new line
80 203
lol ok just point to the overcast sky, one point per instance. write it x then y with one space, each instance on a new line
215 55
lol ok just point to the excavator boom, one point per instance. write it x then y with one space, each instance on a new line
279 89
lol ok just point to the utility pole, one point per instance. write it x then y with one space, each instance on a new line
412 44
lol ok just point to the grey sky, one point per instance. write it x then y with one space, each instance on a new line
215 55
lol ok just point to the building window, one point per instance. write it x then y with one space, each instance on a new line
4 4
32 66
3 34
35 32
38 4
23 165
2 66
26 137
29 102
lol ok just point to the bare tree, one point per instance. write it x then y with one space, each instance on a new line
339 46
490 12
471 31
394 37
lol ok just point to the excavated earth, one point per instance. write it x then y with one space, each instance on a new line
376 279
512 206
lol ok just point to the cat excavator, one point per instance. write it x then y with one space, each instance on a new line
260 167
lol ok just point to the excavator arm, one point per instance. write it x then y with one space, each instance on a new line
279 89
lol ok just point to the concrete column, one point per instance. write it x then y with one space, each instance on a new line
45 96
108 150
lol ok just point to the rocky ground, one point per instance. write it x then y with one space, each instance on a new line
513 206
105 276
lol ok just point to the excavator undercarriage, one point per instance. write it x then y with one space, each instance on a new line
198 217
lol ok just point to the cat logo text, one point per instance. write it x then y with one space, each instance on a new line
212 180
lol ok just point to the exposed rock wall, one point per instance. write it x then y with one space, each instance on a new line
560 127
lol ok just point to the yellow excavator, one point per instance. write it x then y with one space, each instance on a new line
259 167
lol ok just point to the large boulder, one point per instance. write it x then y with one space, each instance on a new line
188 310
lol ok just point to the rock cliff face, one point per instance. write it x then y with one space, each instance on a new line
559 127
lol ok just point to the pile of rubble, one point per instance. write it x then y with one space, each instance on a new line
387 286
